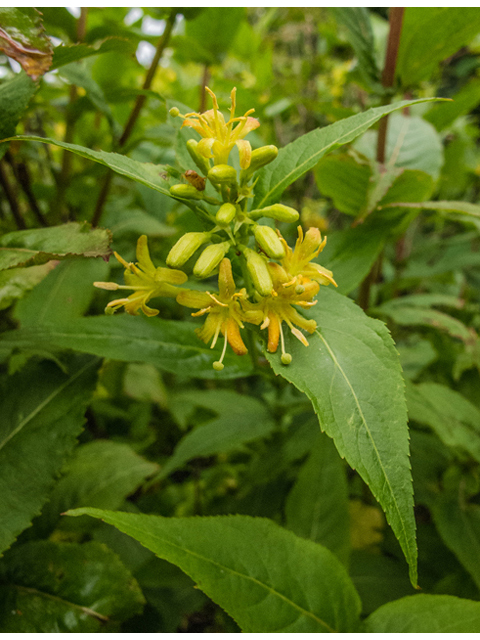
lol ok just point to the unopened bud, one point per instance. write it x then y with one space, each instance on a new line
201 162
210 258
174 112
225 214
185 191
277 212
222 174
258 270
186 247
269 241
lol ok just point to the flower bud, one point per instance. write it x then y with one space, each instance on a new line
225 214
258 270
277 212
269 241
201 162
186 247
185 191
210 258
222 174
263 156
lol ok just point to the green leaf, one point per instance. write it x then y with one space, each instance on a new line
443 116
452 417
42 414
169 345
66 292
23 38
213 31
317 506
15 95
265 577
352 375
426 614
443 206
346 180
448 29
63 55
412 143
458 523
100 474
357 21
15 283
241 419
66 587
298 157
37 246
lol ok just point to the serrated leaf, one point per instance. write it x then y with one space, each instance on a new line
15 283
100 474
454 419
22 37
300 156
42 414
426 614
317 506
448 29
66 587
167 344
37 246
265 577
15 95
351 373
243 419
63 55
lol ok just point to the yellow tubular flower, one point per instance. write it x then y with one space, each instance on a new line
224 312
219 137
279 308
298 263
146 280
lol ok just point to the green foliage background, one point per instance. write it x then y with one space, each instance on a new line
224 481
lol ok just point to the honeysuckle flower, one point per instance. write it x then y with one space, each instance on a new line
224 312
146 280
280 307
219 137
298 263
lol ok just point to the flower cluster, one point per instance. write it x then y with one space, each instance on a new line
278 281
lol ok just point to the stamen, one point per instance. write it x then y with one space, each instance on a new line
215 337
218 365
221 304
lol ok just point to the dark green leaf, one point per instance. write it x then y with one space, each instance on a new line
426 614
15 283
37 246
15 95
66 587
448 29
300 156
42 414
352 375
23 38
66 54
169 345
213 31
317 506
444 115
240 420
265 577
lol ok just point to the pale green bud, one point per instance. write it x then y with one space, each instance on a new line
277 212
269 241
186 247
201 162
260 157
185 191
222 174
210 258
258 270
225 214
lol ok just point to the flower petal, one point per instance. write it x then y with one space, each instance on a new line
245 152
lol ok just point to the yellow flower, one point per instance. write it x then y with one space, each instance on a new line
219 137
279 308
298 263
146 280
224 312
